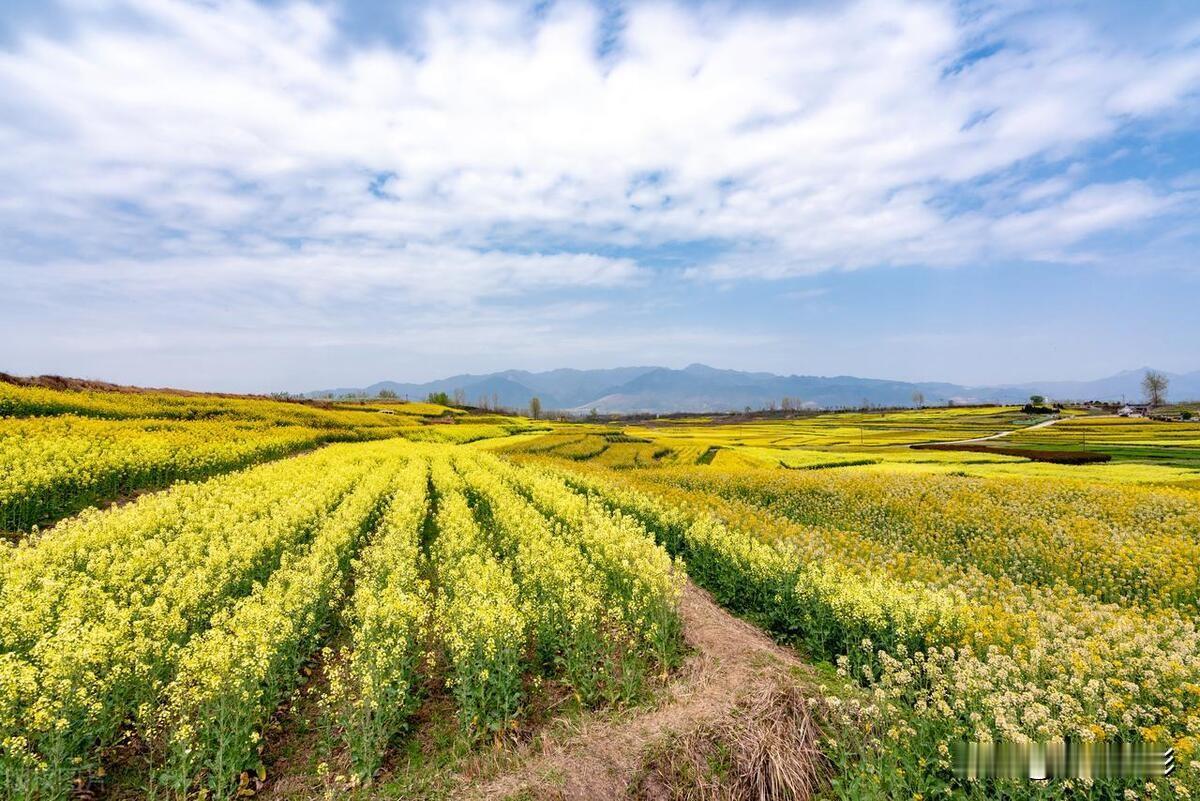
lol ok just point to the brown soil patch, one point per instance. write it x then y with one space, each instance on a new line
1033 454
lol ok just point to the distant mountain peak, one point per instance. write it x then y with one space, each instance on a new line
701 388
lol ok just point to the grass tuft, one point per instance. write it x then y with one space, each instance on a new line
767 746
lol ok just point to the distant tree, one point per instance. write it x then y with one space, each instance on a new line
535 407
387 394
1154 384
1186 414
1037 400
460 397
593 414
495 401
440 398
918 399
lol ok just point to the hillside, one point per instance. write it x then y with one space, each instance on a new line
700 388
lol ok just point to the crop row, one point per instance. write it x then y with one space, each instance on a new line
54 466
941 651
184 618
1125 545
109 601
37 401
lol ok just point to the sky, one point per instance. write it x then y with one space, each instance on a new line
260 196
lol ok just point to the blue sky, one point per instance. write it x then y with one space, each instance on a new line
290 195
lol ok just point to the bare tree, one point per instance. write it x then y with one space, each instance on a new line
535 407
918 399
1154 384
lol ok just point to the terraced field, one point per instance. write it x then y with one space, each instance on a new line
1129 440
1141 451
487 607
952 608
62 451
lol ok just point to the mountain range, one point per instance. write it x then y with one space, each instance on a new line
699 388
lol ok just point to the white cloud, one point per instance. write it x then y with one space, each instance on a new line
822 137
432 275
1091 210
231 168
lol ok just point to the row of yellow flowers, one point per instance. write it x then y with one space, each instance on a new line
99 610
373 678
533 578
603 595
944 649
502 594
231 677
478 618
54 466
185 617
1118 544
462 433
559 590
36 401
634 570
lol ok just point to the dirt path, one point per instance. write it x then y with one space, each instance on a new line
600 761
999 434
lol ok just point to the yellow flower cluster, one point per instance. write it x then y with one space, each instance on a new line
558 589
478 617
231 677
463 433
1119 544
61 451
98 609
372 682
640 578
53 466
186 616
946 648
596 588
33 401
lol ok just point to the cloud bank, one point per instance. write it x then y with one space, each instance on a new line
269 155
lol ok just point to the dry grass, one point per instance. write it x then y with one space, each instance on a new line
765 747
